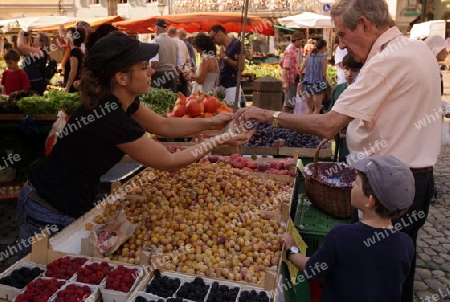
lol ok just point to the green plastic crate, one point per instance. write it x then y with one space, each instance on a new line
313 224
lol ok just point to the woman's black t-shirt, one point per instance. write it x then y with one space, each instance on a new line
86 149
77 53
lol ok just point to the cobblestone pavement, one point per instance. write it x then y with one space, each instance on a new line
433 243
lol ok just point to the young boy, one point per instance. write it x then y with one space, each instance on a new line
370 259
14 78
351 71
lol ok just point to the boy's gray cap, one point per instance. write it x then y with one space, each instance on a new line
391 180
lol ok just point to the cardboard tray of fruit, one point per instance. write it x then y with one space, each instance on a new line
79 291
15 278
215 287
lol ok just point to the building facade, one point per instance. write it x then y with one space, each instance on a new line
10 9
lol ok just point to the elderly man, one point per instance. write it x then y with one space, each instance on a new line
382 106
182 60
182 34
167 61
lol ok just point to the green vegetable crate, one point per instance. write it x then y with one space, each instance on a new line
313 224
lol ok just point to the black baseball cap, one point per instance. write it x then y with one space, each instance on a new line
161 23
117 50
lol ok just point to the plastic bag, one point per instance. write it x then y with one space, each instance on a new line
300 105
58 125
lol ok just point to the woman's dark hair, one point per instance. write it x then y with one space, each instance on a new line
101 31
11 55
78 35
380 209
93 88
205 43
349 61
320 44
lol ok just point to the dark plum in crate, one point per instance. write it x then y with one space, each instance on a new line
19 278
194 291
265 136
163 286
253 296
222 293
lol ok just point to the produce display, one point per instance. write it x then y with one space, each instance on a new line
163 286
268 136
50 103
263 69
64 268
121 279
93 273
222 293
73 292
198 105
217 219
19 278
253 296
40 290
159 100
194 291
185 288
279 167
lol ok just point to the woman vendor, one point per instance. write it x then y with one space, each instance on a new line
110 123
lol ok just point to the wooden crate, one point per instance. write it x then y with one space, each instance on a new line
306 152
250 150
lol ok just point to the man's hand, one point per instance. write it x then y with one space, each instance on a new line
288 240
254 113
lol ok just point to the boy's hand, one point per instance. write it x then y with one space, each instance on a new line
288 240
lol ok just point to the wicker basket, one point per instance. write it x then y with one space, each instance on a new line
331 195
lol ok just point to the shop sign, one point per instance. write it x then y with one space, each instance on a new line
326 7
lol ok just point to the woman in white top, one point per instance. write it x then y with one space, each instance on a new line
206 75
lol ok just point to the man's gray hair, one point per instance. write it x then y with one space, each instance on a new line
376 11
182 32
172 31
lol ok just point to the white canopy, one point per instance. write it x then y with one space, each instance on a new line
26 22
307 20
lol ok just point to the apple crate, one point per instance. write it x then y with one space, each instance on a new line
109 295
9 292
93 297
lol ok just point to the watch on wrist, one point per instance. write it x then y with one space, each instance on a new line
291 250
275 119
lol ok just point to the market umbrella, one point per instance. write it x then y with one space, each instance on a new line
200 22
307 20
93 22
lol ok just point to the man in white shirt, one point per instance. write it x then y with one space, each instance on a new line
182 59
338 57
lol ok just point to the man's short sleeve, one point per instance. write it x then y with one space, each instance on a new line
362 99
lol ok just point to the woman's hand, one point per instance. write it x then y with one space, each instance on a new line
234 139
220 121
254 113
